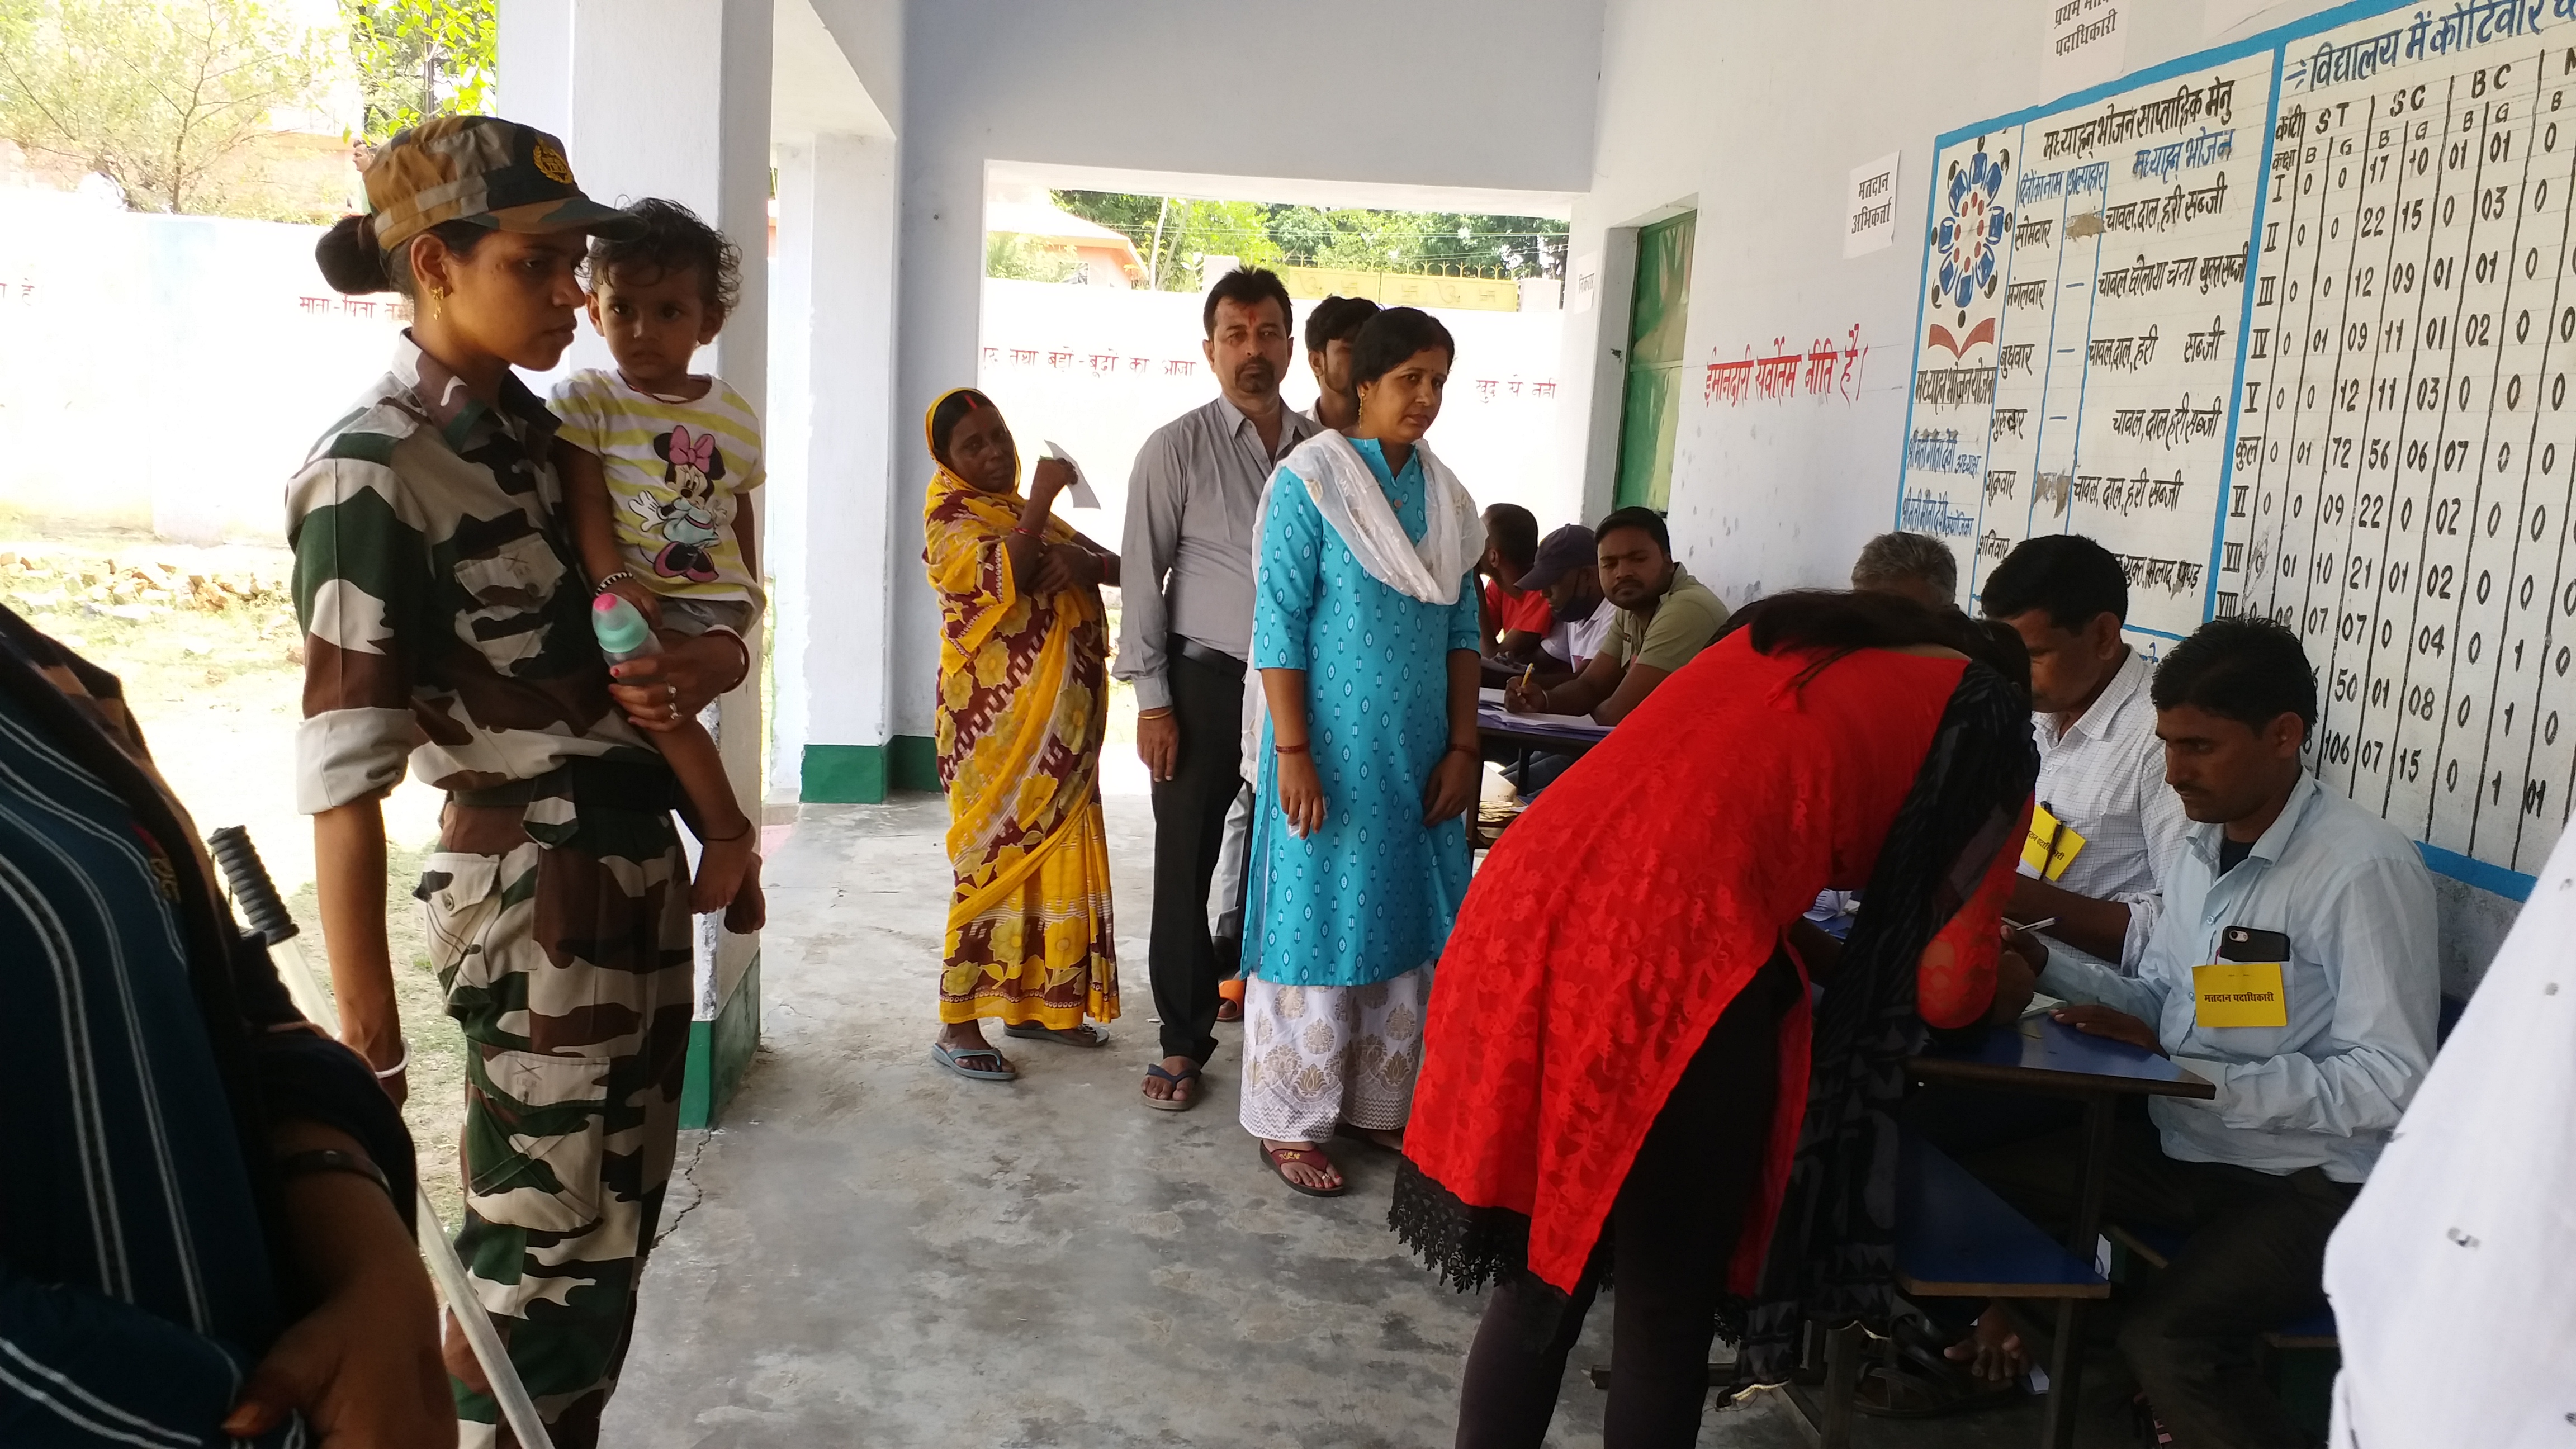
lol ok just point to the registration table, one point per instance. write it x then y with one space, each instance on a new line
1533 734
2041 1055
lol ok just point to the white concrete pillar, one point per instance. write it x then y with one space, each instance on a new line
839 541
672 98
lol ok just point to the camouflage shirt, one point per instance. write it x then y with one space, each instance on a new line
444 617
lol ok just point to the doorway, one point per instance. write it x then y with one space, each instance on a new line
1650 405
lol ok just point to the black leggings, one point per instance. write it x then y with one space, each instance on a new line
1671 1233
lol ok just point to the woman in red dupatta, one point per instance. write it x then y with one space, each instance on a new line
1622 1076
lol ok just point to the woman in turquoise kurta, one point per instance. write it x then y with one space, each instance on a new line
1365 632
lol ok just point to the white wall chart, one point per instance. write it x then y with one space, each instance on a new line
2288 326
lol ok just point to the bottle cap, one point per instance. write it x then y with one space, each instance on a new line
619 628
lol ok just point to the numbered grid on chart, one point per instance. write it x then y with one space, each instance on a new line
2399 456
2406 508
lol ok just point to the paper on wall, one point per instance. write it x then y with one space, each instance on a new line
2086 42
1080 492
1869 211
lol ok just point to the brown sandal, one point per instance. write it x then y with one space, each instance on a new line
1278 1158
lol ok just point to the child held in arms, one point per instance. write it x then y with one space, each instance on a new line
659 467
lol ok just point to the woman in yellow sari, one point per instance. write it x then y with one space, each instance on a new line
1023 703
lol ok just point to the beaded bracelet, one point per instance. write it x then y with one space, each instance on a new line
627 574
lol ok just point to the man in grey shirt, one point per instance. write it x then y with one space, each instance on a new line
1185 633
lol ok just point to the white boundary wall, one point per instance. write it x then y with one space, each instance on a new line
168 372
1099 369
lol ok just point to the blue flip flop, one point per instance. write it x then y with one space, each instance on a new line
956 1061
1186 1076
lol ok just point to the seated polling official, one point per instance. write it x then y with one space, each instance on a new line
1916 565
2293 969
1569 574
1513 617
2108 824
1665 617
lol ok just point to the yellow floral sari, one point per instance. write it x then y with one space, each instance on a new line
1023 704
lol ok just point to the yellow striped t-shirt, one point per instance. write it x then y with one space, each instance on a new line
679 475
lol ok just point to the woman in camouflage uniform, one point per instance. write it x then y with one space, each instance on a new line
447 628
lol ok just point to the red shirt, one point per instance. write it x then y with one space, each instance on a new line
1615 921
1526 613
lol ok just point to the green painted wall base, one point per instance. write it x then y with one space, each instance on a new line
865 774
720 1052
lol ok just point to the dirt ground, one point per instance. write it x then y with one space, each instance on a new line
217 693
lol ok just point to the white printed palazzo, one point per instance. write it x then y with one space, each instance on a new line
1316 1056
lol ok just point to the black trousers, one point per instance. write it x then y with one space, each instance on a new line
1189 828
2255 1261
1672 1230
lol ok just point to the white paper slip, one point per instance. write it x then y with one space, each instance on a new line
1080 492
1490 695
2041 1003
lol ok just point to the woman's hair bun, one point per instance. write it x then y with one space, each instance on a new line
351 261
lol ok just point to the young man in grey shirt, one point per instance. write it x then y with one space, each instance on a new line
1184 634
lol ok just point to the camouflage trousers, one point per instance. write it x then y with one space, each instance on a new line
560 932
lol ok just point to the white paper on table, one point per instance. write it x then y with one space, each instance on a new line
1561 721
2041 1003
1080 492
1490 695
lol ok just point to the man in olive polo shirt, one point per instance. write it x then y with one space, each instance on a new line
1665 618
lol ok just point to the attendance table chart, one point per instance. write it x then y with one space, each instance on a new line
2288 326
2041 1055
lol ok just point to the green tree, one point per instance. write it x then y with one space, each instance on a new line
1019 258
1171 232
422 58
155 95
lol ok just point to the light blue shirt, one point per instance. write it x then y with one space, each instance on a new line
2363 987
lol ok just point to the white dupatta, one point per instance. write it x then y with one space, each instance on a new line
1347 493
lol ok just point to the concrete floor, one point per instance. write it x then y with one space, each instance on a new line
872 1251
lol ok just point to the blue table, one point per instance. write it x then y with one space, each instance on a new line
1497 725
2039 1054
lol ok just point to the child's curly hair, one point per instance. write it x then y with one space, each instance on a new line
671 239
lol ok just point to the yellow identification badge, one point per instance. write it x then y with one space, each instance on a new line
2052 845
2240 993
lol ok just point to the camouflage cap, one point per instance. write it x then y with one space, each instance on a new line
484 170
